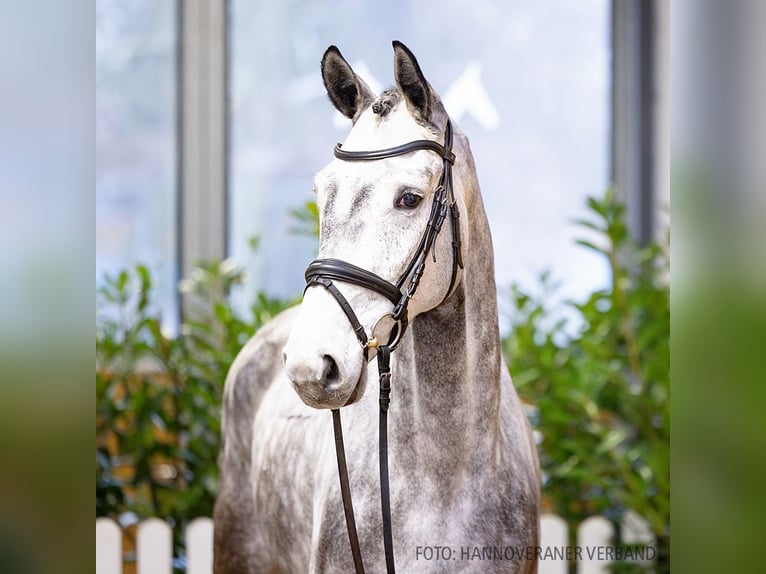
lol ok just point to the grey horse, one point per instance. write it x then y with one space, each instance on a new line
464 475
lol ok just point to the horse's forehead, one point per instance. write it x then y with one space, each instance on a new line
417 170
372 132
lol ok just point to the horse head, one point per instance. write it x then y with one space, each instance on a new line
375 215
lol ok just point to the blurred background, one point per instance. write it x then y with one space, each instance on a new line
211 119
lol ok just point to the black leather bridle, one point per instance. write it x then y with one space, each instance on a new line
324 271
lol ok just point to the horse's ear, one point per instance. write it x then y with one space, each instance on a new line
347 91
413 84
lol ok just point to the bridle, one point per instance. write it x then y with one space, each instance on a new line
323 271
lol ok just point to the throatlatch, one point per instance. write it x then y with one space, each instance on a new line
322 272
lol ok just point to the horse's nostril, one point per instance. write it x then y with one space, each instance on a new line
332 373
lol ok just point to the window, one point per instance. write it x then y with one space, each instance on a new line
528 83
136 125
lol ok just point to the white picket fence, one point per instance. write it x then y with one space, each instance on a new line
154 544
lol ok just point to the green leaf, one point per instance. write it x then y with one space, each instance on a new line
592 246
610 441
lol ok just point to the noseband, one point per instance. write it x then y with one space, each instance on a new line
323 271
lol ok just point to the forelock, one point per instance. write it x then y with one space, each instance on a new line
389 99
386 102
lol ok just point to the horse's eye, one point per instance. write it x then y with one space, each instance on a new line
408 200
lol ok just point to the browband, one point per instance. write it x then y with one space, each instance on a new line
403 149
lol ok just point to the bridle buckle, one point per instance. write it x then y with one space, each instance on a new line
395 337
372 343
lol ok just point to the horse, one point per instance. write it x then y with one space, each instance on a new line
464 473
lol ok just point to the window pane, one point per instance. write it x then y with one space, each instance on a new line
527 82
136 141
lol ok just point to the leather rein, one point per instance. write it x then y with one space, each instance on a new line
322 272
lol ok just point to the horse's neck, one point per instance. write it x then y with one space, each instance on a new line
446 415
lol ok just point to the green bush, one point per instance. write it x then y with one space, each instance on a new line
601 394
598 382
158 395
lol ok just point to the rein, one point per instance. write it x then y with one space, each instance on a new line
322 272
